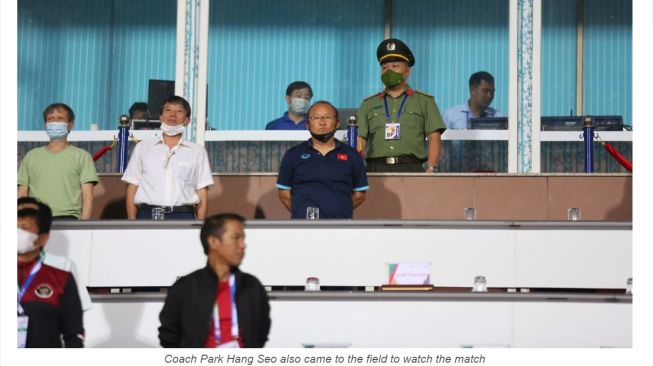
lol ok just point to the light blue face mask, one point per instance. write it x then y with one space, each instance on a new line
56 130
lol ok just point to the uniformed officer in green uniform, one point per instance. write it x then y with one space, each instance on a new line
394 124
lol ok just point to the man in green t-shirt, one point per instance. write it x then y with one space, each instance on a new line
59 174
394 124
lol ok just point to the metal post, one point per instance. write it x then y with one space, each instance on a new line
352 132
123 143
588 137
387 28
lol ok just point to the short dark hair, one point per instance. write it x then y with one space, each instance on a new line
53 106
176 99
138 106
308 113
43 215
296 85
28 200
214 226
477 77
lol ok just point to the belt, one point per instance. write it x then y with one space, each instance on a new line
391 160
168 209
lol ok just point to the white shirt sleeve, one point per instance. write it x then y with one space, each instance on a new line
204 176
134 172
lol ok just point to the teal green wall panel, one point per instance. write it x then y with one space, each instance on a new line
559 19
56 42
144 48
608 58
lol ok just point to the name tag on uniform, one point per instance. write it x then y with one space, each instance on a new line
392 131
22 330
230 344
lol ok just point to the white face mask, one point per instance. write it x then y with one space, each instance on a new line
299 105
26 241
172 130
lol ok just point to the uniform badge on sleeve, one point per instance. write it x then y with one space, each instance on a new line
43 291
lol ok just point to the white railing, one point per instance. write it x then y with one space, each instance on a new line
255 135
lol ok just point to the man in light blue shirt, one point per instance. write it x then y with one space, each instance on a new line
481 94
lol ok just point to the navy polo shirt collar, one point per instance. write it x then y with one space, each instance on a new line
290 123
309 143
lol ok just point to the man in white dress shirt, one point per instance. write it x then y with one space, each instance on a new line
169 174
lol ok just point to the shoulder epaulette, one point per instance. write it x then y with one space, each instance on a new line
372 96
423 93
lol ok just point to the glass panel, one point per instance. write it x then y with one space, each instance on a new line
332 46
94 55
453 45
559 58
607 78
449 48
257 48
608 58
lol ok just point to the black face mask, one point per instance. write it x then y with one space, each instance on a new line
325 136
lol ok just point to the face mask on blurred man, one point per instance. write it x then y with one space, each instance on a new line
56 130
26 241
299 106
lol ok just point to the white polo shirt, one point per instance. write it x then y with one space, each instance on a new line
168 177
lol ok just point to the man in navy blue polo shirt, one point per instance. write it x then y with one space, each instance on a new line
322 172
298 98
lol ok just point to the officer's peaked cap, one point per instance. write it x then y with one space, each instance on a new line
393 49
